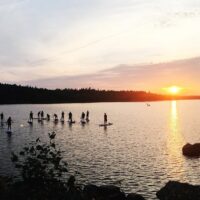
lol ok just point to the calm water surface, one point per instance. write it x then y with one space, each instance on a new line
140 152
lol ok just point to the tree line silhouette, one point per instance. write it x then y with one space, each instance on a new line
17 94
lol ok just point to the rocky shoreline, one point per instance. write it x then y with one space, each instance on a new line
171 191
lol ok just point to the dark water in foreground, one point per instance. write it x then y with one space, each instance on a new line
140 152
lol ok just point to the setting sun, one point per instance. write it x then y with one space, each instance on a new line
174 90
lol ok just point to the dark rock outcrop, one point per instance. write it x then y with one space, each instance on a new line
106 192
191 150
179 191
90 192
133 196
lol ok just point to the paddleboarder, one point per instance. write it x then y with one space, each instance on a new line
105 118
9 123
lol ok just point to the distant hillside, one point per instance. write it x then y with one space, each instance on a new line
15 94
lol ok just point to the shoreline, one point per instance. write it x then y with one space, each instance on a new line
91 102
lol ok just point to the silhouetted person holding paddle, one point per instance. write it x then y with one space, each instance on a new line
70 117
105 118
9 123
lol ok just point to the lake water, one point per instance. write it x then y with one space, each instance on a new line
140 152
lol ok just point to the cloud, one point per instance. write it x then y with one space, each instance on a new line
137 77
42 39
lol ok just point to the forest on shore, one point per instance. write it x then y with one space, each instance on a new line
17 94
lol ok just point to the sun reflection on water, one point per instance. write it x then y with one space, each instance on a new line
175 143
174 120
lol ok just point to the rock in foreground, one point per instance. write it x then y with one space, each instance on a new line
191 150
179 191
107 192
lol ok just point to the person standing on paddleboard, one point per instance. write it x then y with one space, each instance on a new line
105 118
70 117
2 116
48 117
9 123
31 116
87 115
42 114
82 116
62 116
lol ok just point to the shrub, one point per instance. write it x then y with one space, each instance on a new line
41 166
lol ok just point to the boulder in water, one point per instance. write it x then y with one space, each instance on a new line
179 191
191 150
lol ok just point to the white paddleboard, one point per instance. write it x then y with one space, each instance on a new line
107 124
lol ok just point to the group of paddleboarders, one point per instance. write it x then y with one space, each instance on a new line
70 117
84 117
40 115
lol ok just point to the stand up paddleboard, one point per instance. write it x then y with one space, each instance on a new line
107 124
55 120
8 132
83 122
71 122
44 118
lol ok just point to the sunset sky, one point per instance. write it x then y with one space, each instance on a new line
107 44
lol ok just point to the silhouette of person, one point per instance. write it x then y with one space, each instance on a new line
31 116
62 115
48 117
55 117
105 118
39 114
2 117
9 123
87 115
42 114
70 117
82 116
